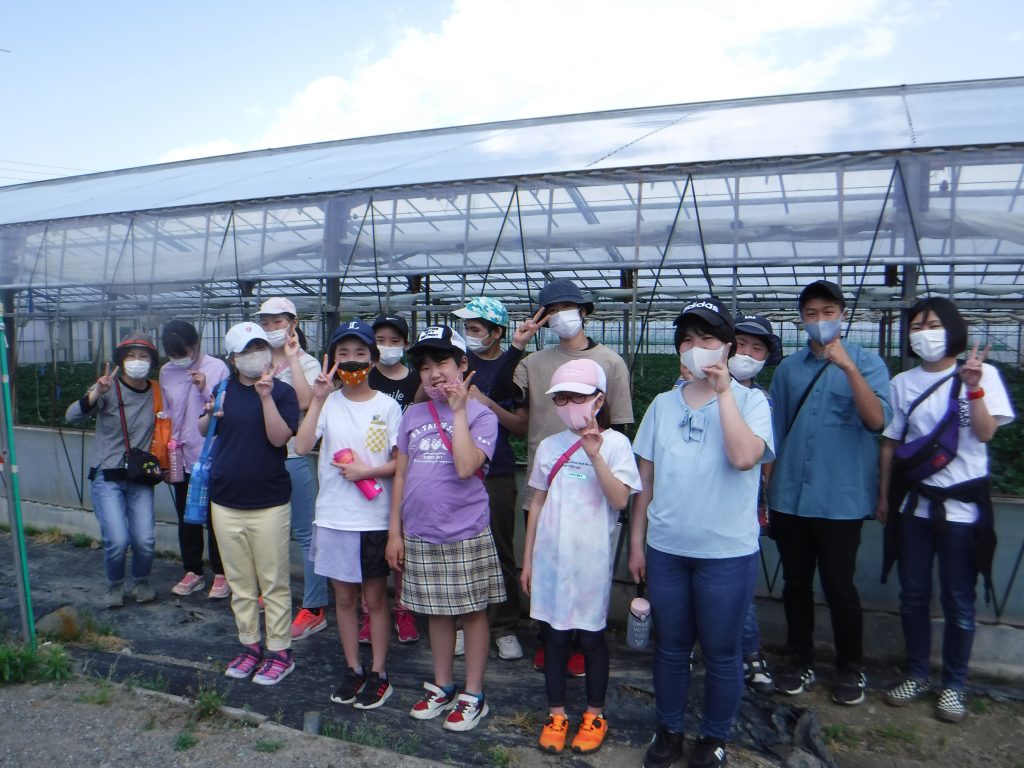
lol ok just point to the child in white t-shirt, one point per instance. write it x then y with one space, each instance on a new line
581 478
359 428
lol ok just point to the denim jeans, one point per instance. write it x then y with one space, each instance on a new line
698 599
304 488
125 514
957 579
750 635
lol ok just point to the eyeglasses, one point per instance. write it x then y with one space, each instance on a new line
577 398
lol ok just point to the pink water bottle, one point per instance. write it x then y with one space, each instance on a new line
369 486
177 469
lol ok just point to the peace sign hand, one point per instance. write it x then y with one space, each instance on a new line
718 373
970 371
291 345
323 385
590 437
106 381
458 392
527 329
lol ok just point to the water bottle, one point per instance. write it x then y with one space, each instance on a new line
638 622
176 474
370 487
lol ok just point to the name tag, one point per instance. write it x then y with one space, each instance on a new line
576 475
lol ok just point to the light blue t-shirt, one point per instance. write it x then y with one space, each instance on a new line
702 506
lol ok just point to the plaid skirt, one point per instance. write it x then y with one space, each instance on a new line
451 579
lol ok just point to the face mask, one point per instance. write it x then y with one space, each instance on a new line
353 374
695 358
253 364
824 332
929 345
566 323
277 338
576 415
476 345
136 369
438 392
390 355
184 362
744 367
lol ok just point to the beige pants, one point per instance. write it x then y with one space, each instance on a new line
254 549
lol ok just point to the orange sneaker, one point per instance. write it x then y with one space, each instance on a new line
552 737
590 736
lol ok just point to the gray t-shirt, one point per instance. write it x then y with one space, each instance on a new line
108 447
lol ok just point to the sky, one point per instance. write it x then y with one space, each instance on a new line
98 86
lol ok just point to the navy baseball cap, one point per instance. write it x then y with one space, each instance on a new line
356 328
760 326
822 289
395 321
563 289
711 310
440 337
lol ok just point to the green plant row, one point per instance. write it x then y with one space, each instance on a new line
21 664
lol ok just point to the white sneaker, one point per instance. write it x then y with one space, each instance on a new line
460 643
509 648
466 714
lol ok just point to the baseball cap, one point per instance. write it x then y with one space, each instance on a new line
711 310
564 289
135 340
440 337
357 328
760 326
822 289
399 324
239 336
583 376
278 305
491 310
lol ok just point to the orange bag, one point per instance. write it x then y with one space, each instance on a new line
161 430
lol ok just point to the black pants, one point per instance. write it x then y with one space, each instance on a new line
557 643
501 493
190 537
806 543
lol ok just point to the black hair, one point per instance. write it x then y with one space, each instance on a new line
303 341
604 416
952 321
394 327
179 338
418 355
374 351
491 327
725 332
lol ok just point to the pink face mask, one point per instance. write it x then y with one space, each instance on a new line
576 415
438 392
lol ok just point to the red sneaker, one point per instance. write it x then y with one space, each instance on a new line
307 622
538 659
405 626
576 667
364 629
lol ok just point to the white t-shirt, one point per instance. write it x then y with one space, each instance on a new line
370 429
573 550
311 369
971 458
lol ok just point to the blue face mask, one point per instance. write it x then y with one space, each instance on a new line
825 331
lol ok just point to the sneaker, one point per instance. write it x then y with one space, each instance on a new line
538 659
467 713
577 666
277 665
707 753
756 674
376 691
795 680
664 749
910 690
460 643
307 622
364 629
952 706
245 663
590 736
352 685
552 735
509 648
114 596
143 592
190 582
405 626
850 687
434 702
220 588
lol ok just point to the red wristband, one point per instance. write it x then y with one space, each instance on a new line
976 394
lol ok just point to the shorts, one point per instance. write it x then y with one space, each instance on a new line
349 556
453 578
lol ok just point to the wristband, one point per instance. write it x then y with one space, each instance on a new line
976 394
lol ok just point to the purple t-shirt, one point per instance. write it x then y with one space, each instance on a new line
437 506
185 403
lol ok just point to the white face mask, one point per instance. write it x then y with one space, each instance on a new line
184 362
136 369
744 367
565 324
476 345
253 364
929 345
390 355
695 358
277 338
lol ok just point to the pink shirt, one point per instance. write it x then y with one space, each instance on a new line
185 403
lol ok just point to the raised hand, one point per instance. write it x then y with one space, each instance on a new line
527 329
106 381
837 354
291 345
264 385
718 373
970 371
458 392
199 379
324 383
590 437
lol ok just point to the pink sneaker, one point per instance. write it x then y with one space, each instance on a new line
405 626
364 629
277 665
220 588
245 663
190 582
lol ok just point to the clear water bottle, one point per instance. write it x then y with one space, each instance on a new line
177 469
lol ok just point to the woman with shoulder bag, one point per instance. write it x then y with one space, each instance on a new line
122 403
934 496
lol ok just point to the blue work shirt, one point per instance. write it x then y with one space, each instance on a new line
826 460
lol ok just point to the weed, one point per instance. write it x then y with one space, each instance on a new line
499 756
186 740
903 734
17 662
102 695
81 541
31 531
155 683
269 745
526 722
980 706
5 528
373 735
150 723
838 733
52 535
53 664
208 702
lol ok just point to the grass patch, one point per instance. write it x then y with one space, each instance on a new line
207 702
52 535
185 741
839 734
53 664
526 722
269 745
150 724
103 694
17 664
890 733
980 706
497 755
373 735
81 541
156 682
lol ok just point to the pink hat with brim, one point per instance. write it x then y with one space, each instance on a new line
584 377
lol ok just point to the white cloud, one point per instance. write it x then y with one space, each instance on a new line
500 60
